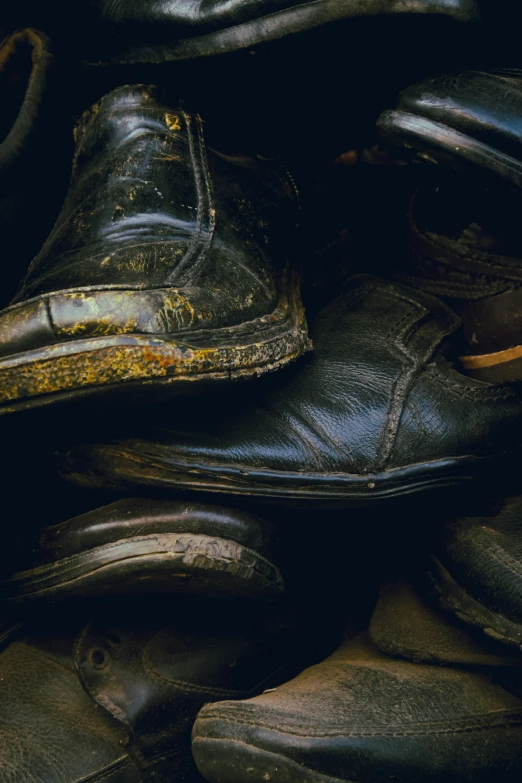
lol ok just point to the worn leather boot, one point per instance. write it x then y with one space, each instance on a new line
376 411
362 716
35 151
168 263
465 247
112 697
468 120
159 30
137 545
474 570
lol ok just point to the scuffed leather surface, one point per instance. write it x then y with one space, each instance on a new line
484 105
484 556
138 516
362 716
50 729
150 207
404 624
375 394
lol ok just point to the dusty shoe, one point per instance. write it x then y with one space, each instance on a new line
363 717
114 698
33 181
158 30
468 119
137 545
168 263
376 411
475 571
404 624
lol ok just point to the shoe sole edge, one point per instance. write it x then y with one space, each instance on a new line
184 563
237 757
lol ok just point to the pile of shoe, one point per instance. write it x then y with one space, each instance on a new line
270 526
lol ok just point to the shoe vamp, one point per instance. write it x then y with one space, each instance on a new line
340 699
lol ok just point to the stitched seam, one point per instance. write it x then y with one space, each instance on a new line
196 240
204 173
468 391
225 692
339 732
398 396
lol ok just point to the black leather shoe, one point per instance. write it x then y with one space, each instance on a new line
168 263
35 151
475 571
137 545
363 717
158 30
113 699
468 119
376 411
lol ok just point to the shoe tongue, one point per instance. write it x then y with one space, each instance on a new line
404 625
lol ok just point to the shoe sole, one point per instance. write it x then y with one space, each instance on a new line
452 597
233 761
434 142
137 365
128 469
280 24
179 563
